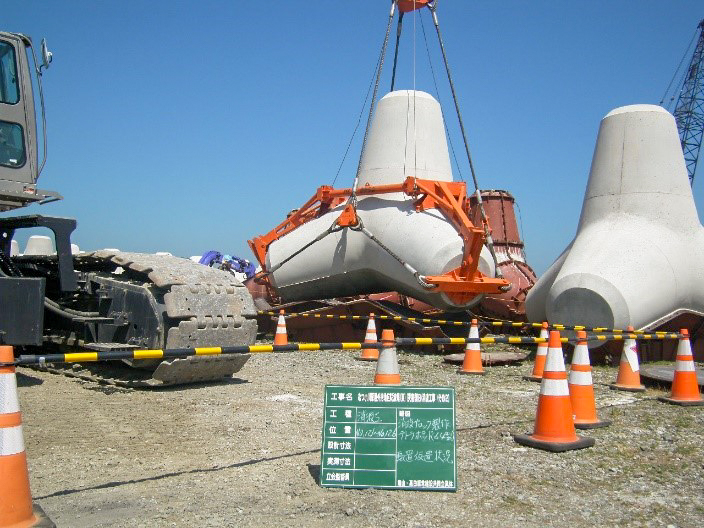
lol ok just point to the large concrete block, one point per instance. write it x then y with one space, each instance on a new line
638 255
407 138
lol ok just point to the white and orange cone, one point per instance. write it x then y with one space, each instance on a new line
554 426
628 378
387 372
472 363
540 356
16 508
582 387
370 354
685 388
281 336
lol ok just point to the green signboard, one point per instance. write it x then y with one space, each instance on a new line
389 437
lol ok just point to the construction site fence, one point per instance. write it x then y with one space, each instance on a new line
451 322
83 357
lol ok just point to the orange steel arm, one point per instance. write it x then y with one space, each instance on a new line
460 284
321 202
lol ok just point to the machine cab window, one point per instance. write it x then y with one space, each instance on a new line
9 92
12 150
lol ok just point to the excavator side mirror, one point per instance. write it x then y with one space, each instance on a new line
46 55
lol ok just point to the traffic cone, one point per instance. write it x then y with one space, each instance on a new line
685 389
16 508
370 354
472 353
554 426
281 337
582 388
628 378
540 355
387 366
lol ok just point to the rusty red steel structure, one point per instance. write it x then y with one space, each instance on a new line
510 255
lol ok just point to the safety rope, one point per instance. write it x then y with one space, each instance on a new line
353 196
485 220
452 322
360 227
333 228
356 127
398 38
437 94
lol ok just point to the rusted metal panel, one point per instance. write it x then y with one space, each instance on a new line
510 252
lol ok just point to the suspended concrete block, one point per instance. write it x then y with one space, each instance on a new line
638 255
406 138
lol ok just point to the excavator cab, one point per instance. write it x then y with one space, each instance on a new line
19 172
19 163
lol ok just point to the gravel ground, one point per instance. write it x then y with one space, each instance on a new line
246 453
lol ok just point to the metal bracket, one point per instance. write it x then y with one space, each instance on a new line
62 229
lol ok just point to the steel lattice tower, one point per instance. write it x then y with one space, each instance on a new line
689 112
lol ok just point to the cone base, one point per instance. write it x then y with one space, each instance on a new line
683 403
554 447
367 358
533 378
627 388
592 425
39 519
477 372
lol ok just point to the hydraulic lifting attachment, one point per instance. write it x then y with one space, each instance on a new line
460 284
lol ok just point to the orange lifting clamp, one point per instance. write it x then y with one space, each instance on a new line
460 284
348 217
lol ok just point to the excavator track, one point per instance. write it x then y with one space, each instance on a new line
184 304
118 374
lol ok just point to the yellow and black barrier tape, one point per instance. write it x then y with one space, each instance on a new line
87 357
451 322
557 326
364 317
421 341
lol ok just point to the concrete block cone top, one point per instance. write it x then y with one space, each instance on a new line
638 254
406 138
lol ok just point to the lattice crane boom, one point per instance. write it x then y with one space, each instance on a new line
689 112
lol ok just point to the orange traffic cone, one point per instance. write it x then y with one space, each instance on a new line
685 389
16 508
554 427
370 354
387 367
582 388
472 353
540 355
628 378
281 337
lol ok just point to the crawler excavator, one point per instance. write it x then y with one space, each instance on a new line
100 300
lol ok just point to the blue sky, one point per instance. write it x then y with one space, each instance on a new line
185 126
